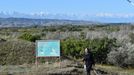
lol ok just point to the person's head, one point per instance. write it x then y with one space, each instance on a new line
87 50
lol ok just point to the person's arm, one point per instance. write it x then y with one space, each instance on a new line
85 58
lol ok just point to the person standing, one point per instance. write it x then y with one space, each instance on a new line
88 60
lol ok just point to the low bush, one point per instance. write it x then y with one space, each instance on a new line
20 52
16 52
100 48
122 56
29 37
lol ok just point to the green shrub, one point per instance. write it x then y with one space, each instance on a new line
73 47
100 48
29 37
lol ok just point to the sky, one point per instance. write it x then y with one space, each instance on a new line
67 6
82 7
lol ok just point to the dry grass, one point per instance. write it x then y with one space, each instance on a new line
64 69
41 69
118 70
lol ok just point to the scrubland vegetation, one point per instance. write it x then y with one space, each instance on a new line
111 44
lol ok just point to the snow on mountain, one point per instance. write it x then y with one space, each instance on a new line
101 17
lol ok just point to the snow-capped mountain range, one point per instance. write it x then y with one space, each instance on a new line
99 17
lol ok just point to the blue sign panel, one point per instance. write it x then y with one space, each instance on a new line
48 48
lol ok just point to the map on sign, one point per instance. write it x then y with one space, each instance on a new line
48 48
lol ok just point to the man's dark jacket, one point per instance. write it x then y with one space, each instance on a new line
89 61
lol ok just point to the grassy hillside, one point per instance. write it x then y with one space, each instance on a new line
110 44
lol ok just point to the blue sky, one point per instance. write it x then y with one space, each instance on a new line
67 6
97 10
